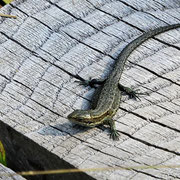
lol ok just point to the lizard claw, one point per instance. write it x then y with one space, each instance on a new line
114 135
134 94
84 83
90 82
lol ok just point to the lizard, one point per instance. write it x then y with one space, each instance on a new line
110 92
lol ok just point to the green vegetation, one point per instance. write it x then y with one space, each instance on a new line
2 155
7 1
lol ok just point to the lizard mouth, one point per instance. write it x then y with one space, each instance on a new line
83 120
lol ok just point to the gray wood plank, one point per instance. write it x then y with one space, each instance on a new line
53 40
6 174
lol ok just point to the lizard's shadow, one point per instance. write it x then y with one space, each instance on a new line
64 129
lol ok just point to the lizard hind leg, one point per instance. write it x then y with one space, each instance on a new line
130 92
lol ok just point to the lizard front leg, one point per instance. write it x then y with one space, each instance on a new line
114 133
90 82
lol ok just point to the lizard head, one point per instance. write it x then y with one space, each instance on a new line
80 117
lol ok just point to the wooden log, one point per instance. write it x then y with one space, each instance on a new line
5 174
48 44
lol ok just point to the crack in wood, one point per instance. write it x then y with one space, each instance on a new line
153 72
149 144
77 18
152 121
148 174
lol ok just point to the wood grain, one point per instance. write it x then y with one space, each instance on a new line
53 40
5 174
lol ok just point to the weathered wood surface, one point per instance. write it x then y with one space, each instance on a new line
52 40
5 174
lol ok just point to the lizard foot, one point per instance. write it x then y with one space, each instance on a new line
114 135
90 82
131 93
